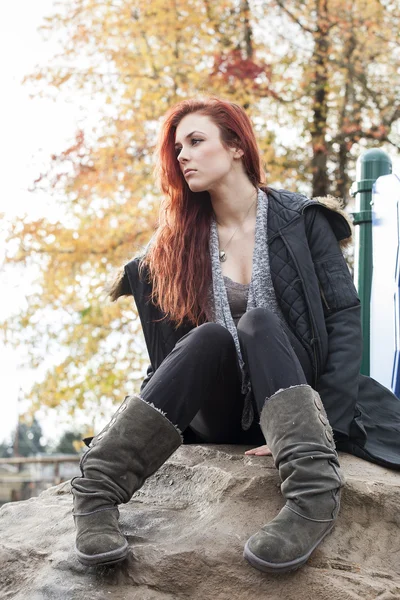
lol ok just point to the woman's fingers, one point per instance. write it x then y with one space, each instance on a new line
260 451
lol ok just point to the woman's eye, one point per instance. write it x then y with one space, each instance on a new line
193 141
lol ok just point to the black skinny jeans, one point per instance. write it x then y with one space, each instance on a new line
198 385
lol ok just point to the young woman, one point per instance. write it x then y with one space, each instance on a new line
252 325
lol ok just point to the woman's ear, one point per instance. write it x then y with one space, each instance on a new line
237 152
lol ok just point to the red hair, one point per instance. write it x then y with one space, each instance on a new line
178 258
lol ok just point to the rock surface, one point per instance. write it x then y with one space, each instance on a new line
187 527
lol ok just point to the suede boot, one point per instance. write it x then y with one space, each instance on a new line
136 442
298 433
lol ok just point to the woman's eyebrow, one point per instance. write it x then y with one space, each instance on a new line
190 134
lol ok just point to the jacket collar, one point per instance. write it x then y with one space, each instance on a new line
289 206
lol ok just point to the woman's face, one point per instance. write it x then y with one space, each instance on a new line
198 147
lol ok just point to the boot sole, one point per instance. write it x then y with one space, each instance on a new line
267 567
105 558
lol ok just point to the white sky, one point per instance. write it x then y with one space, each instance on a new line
31 130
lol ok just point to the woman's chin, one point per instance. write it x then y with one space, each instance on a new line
195 187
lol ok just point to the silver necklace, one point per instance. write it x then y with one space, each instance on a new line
222 253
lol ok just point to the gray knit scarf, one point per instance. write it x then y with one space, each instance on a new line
260 292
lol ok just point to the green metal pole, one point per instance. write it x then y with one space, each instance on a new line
370 165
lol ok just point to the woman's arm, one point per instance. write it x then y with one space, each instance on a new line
149 375
338 384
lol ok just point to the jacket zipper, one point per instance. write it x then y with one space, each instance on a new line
323 297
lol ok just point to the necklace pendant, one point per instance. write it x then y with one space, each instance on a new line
222 256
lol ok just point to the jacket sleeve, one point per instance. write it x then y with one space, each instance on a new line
159 333
338 382
149 375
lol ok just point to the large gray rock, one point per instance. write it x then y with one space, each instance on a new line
187 527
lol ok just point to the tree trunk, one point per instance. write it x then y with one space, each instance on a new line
343 180
320 180
350 120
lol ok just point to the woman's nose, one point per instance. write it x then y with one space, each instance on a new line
183 155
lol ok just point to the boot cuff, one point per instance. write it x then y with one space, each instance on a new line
174 428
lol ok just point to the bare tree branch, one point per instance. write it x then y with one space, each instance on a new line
281 4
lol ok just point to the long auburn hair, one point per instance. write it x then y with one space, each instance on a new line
178 256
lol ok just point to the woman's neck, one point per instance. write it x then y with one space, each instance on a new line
231 206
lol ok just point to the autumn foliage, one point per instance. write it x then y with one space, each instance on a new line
319 79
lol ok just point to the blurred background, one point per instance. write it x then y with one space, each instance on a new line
85 84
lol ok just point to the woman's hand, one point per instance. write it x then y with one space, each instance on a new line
260 451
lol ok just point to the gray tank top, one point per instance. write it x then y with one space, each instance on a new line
237 297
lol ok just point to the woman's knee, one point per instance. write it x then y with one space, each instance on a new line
255 319
211 336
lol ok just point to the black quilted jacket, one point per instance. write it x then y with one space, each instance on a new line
317 296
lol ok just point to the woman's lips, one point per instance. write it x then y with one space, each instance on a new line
189 172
